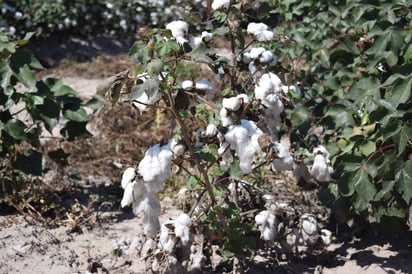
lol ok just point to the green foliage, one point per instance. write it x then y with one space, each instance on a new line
28 111
85 17
358 79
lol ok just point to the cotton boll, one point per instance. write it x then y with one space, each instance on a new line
187 84
182 232
195 41
284 160
255 53
254 28
179 28
211 131
243 139
326 236
232 104
309 224
226 156
263 36
245 57
128 176
144 100
127 195
321 168
155 166
244 98
207 36
266 57
149 205
184 219
267 224
176 147
220 4
225 118
151 225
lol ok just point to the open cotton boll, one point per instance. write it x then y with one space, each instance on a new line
232 103
149 205
207 36
142 102
244 57
128 176
225 155
151 225
263 36
211 130
243 139
195 41
255 53
266 57
321 170
267 224
225 118
284 160
326 236
156 163
244 98
187 84
254 28
220 4
295 89
128 195
176 147
309 224
179 28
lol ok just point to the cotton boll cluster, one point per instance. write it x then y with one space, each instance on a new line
283 161
220 4
179 30
141 185
243 139
260 31
205 37
230 108
321 168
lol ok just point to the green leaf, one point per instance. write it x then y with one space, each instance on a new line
208 154
404 181
401 92
78 115
408 54
235 170
363 185
220 16
155 67
192 183
16 129
367 147
150 87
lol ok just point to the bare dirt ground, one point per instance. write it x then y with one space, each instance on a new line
83 220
